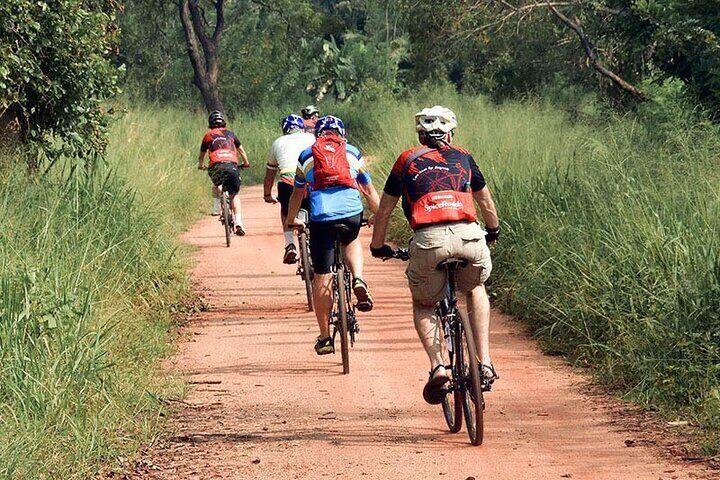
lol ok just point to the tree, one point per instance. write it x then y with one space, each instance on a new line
56 72
203 49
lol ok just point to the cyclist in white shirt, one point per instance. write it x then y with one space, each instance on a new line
284 154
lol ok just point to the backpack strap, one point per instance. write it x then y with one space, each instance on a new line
414 156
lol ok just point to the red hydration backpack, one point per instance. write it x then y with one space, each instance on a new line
330 163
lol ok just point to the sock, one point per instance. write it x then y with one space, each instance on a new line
289 237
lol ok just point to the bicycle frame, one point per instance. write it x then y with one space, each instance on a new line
342 287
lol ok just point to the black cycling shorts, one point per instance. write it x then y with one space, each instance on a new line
226 174
284 192
322 241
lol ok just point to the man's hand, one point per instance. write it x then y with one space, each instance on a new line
269 198
371 220
492 235
245 165
294 224
201 167
386 251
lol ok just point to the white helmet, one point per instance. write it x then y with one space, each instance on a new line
437 118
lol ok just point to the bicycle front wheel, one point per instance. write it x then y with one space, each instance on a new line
342 316
472 397
306 269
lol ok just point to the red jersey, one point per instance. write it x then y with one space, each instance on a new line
436 185
222 145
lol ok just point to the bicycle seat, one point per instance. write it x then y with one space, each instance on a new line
452 262
340 229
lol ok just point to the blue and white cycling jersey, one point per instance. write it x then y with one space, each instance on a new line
333 203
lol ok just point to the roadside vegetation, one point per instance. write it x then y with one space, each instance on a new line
92 282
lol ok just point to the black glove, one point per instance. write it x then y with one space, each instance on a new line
386 251
492 234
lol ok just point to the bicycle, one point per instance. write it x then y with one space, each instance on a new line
304 262
463 396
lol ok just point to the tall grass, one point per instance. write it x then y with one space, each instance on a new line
90 273
610 247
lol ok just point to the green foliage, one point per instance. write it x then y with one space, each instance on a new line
90 276
54 65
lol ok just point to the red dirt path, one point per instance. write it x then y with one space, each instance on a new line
264 406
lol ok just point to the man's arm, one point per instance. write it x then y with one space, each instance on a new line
201 160
485 201
382 219
371 196
243 155
270 173
294 205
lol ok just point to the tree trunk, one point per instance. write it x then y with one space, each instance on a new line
202 50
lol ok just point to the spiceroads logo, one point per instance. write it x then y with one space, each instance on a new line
456 205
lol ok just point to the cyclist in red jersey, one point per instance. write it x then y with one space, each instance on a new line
439 185
222 147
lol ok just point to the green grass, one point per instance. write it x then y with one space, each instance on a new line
91 275
610 247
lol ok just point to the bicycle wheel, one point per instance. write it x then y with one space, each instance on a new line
452 403
469 373
342 319
227 219
306 268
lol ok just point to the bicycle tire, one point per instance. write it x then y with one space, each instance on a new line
452 403
306 268
473 402
342 319
226 218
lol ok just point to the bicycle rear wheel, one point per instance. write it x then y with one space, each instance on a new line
227 218
342 327
306 269
472 397
452 403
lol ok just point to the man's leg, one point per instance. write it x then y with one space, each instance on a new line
479 312
354 258
428 329
216 200
284 192
322 284
237 210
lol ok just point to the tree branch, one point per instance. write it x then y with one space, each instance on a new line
219 20
576 26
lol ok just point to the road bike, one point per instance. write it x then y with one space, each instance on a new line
462 395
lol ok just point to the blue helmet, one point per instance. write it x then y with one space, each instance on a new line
292 122
328 122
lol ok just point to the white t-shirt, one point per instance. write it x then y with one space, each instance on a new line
286 150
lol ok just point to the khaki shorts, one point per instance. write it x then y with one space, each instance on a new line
431 245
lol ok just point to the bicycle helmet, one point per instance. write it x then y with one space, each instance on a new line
328 122
292 122
216 119
309 111
435 124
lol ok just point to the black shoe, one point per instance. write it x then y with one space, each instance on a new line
364 300
488 376
290 255
433 390
239 230
324 346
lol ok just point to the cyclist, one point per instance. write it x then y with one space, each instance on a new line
333 170
310 116
439 185
284 154
223 147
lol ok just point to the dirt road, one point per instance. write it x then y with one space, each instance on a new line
264 406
